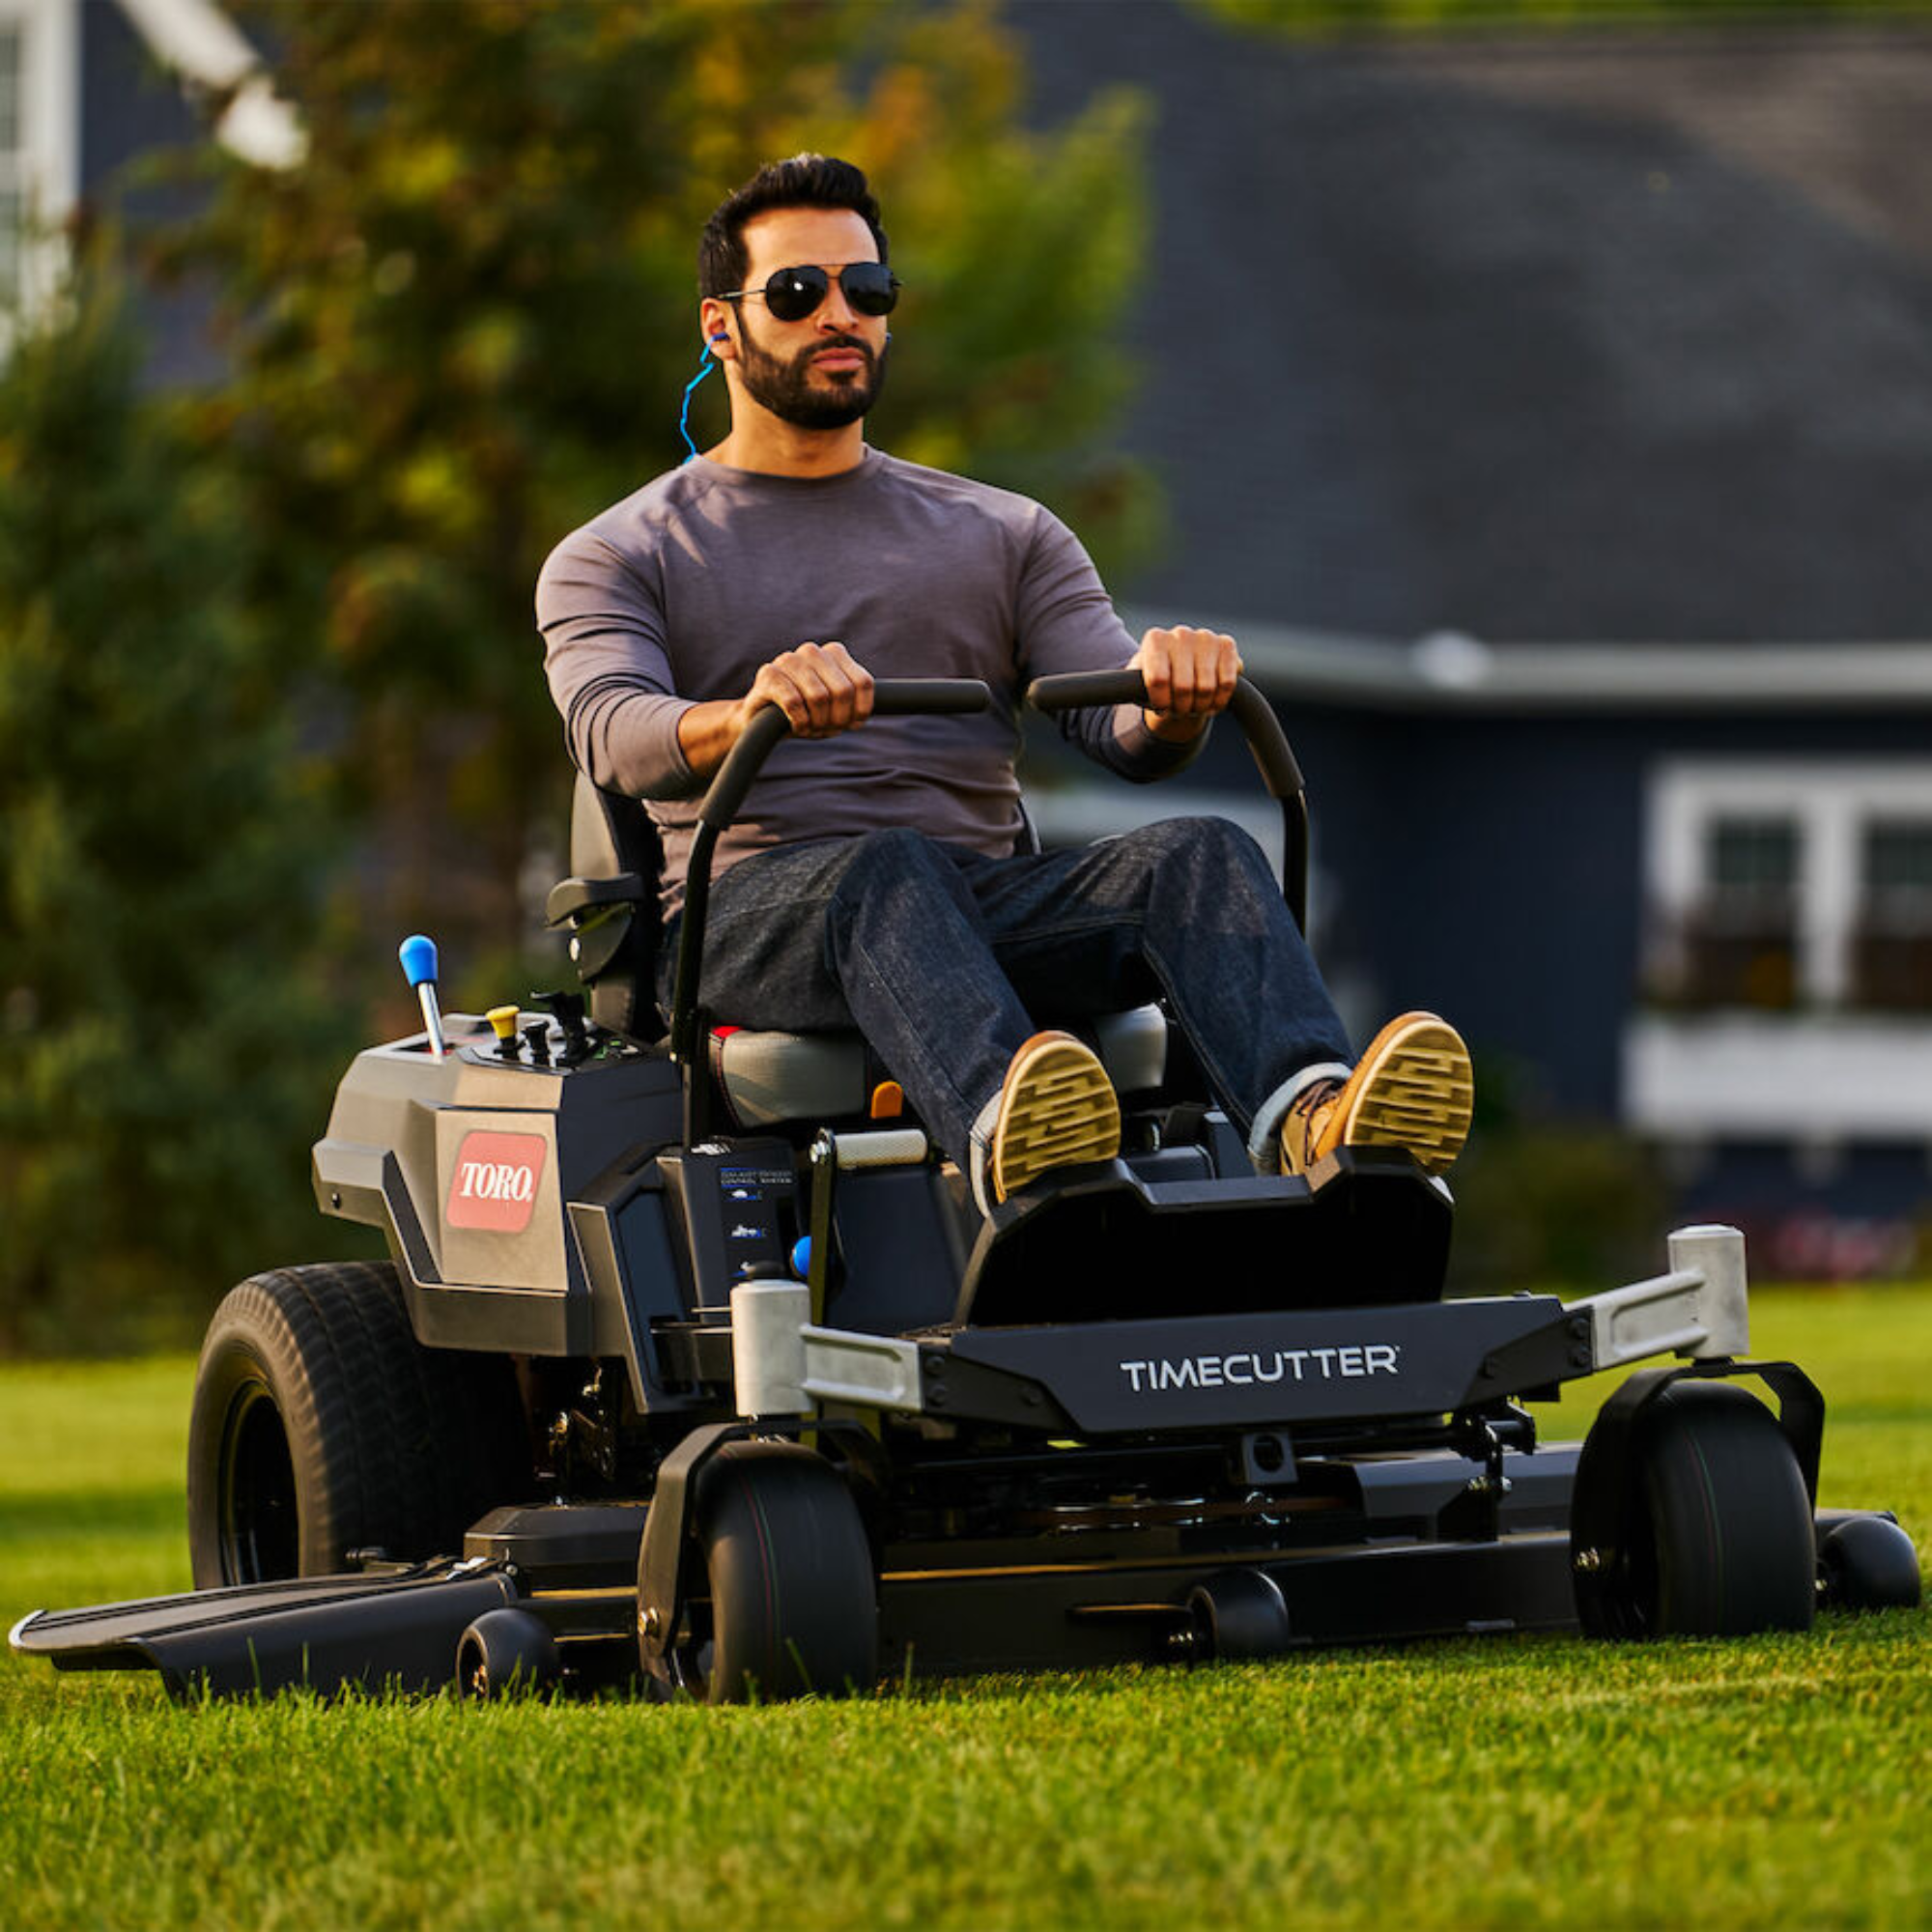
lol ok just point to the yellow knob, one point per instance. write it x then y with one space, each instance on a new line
504 1019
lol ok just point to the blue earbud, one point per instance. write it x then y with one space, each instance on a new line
706 363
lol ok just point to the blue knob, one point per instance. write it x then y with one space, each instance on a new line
418 952
801 1257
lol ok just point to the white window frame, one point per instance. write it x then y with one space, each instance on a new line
1820 1077
1830 801
46 163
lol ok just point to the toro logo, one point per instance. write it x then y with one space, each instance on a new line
495 1182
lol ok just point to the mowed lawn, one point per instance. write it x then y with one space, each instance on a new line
1527 1782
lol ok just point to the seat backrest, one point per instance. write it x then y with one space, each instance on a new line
611 836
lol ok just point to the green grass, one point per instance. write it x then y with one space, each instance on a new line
1524 1781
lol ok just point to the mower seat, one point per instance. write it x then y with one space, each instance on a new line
610 905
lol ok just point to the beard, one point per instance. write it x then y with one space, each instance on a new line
786 389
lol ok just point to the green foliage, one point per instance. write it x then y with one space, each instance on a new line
1328 19
461 326
1555 1204
458 329
160 1062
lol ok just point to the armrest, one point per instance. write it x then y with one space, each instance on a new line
569 898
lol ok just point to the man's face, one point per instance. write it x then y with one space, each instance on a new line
825 369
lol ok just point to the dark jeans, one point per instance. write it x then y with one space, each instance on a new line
947 960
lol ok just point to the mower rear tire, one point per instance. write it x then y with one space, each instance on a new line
321 1426
793 1593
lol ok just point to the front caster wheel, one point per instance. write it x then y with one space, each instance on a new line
1868 1563
507 1653
1719 1533
1238 1613
791 1594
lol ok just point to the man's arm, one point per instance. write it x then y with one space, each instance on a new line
820 688
1066 622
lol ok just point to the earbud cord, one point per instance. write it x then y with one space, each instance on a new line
684 408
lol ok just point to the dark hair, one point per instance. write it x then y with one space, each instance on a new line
805 181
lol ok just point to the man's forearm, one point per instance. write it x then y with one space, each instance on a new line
707 731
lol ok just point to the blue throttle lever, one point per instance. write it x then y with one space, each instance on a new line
418 952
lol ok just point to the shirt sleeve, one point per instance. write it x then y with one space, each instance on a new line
603 628
1065 622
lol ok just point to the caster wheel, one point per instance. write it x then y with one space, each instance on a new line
791 1604
507 1653
1868 1564
1238 1613
1720 1536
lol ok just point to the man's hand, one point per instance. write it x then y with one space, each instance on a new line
822 689
1190 676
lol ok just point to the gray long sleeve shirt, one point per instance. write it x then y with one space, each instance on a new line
679 593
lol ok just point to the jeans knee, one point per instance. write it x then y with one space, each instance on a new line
1216 845
893 853
884 866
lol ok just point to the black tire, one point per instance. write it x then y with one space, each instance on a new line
320 1426
1868 1563
792 1603
1720 1538
507 1653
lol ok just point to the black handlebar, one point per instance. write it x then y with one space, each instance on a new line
1266 740
1251 711
891 697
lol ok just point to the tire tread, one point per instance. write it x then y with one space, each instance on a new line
394 1445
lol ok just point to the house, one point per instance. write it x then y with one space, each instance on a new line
1552 420
80 97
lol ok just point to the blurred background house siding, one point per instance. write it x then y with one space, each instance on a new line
1551 419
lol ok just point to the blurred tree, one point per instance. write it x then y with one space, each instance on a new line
461 326
162 1053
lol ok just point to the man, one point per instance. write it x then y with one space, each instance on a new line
872 878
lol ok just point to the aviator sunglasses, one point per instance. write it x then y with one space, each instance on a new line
792 294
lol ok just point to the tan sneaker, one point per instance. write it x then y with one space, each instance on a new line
1412 1090
1057 1107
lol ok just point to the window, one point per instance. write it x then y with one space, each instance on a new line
1892 966
1738 944
1804 884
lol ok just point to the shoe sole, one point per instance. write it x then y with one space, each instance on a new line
1413 1089
1057 1108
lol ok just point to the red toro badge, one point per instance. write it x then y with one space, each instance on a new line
495 1182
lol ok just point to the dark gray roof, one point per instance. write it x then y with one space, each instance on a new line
1621 338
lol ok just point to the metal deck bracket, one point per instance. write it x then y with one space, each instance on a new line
667 1543
1699 1309
783 1362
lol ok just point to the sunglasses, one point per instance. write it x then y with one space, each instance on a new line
792 294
